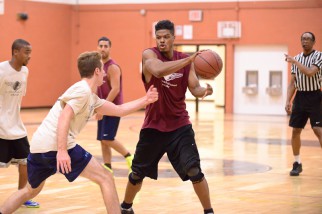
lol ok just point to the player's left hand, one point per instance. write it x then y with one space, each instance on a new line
152 94
209 91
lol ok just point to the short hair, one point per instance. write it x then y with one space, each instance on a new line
165 25
103 38
87 62
18 44
313 36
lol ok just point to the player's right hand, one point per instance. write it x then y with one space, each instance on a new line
98 116
63 162
288 108
193 56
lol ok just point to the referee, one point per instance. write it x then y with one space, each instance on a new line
305 84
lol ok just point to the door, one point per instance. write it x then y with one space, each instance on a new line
260 80
218 84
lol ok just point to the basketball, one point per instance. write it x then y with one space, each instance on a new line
208 64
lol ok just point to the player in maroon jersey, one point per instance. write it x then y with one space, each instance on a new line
167 128
112 91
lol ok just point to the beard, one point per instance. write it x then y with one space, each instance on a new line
104 55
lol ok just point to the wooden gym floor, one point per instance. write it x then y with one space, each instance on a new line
246 160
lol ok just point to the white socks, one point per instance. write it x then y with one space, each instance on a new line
297 158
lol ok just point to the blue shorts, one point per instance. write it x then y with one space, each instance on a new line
41 166
107 128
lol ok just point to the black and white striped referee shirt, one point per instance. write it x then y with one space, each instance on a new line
302 81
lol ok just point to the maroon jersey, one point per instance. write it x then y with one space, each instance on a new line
169 112
105 89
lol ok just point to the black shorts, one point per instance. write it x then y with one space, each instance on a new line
14 151
179 145
41 166
306 104
107 128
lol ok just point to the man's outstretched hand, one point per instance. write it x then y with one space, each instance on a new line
152 95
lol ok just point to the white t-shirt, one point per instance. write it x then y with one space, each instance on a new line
83 102
13 86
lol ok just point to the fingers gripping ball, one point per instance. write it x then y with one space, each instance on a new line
208 64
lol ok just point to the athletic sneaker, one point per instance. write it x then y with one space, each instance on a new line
127 211
108 168
297 169
129 160
31 204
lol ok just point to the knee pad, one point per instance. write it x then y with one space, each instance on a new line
195 175
134 179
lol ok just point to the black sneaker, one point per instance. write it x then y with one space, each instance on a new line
297 169
127 211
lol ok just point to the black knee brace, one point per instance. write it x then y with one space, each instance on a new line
195 175
134 179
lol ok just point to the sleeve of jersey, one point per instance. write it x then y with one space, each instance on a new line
318 60
98 102
27 74
1 79
293 66
1 83
76 98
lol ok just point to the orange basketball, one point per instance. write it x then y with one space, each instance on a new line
208 64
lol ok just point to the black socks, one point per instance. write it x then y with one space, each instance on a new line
126 205
127 155
209 211
108 165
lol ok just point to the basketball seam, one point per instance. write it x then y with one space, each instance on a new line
209 63
204 71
